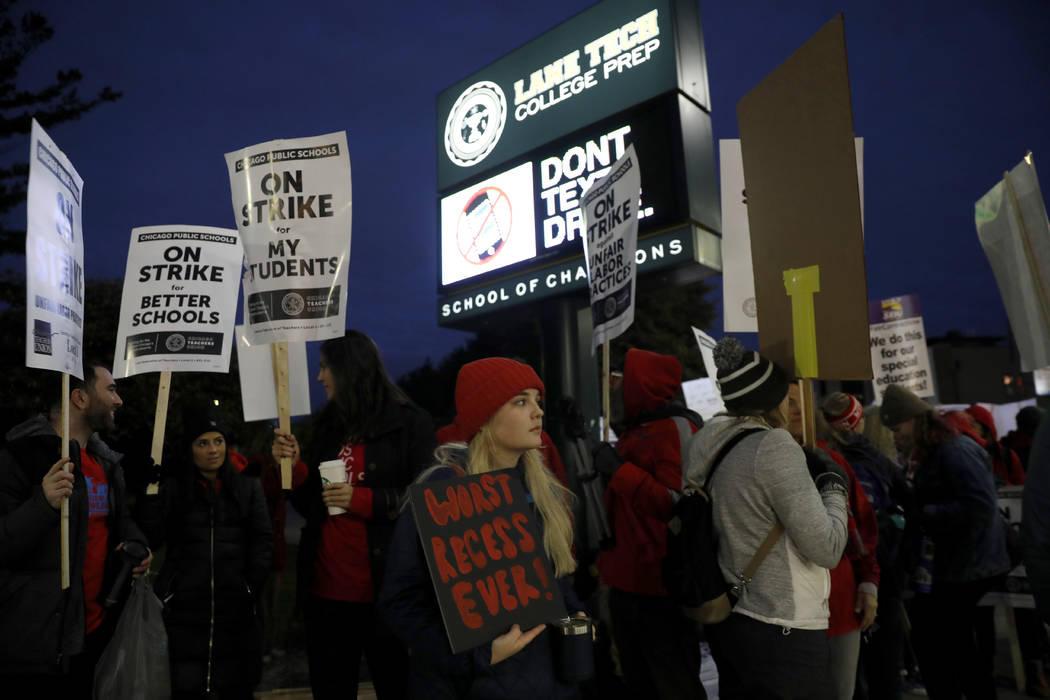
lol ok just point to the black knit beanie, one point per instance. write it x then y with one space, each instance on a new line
748 381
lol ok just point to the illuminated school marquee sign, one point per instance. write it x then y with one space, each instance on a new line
653 253
530 214
606 59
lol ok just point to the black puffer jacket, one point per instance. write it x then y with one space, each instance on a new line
402 448
41 626
218 544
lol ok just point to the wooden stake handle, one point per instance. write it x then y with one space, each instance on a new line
809 419
64 527
160 418
605 391
279 356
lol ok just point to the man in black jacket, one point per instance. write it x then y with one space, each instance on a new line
50 639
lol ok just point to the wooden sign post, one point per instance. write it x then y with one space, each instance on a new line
160 421
160 418
279 356
606 409
64 527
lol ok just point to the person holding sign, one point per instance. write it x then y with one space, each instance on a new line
498 411
50 639
658 646
376 441
774 644
214 522
955 498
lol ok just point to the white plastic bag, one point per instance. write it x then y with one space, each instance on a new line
135 663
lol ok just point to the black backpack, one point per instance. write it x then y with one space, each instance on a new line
690 570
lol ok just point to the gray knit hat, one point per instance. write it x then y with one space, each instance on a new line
899 405
748 381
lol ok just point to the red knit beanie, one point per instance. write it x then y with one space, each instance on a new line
483 386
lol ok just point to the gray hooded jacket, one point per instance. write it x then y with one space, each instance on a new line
763 479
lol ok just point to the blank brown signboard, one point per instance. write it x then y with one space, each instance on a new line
800 169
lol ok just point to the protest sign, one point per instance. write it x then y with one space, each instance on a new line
180 300
898 346
255 367
1013 229
800 165
611 221
292 202
485 555
54 259
738 278
702 395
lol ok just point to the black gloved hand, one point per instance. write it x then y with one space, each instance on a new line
826 472
606 459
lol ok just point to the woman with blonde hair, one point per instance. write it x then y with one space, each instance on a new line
774 644
499 420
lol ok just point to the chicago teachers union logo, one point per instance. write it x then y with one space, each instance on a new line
475 123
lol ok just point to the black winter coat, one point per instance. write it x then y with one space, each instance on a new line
42 626
409 607
402 448
218 544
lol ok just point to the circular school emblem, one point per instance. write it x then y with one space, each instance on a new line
292 304
175 342
475 123
484 225
750 307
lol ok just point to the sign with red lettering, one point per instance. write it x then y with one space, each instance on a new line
485 556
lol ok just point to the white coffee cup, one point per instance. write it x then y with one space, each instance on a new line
333 472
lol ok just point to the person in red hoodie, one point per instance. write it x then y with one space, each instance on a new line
853 602
658 647
1006 465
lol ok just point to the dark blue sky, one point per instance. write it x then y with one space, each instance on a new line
946 94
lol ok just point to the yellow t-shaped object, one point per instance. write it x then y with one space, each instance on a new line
801 284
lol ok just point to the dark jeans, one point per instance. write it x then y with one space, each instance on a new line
337 633
758 661
659 647
952 663
880 652
79 683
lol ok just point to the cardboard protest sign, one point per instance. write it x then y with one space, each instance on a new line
180 300
611 221
898 346
291 199
54 259
258 396
485 555
796 131
1014 232
740 312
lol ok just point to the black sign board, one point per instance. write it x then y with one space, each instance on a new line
485 556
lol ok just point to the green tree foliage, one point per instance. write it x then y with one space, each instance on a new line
53 103
662 323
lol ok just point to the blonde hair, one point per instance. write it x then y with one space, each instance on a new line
553 500
773 417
